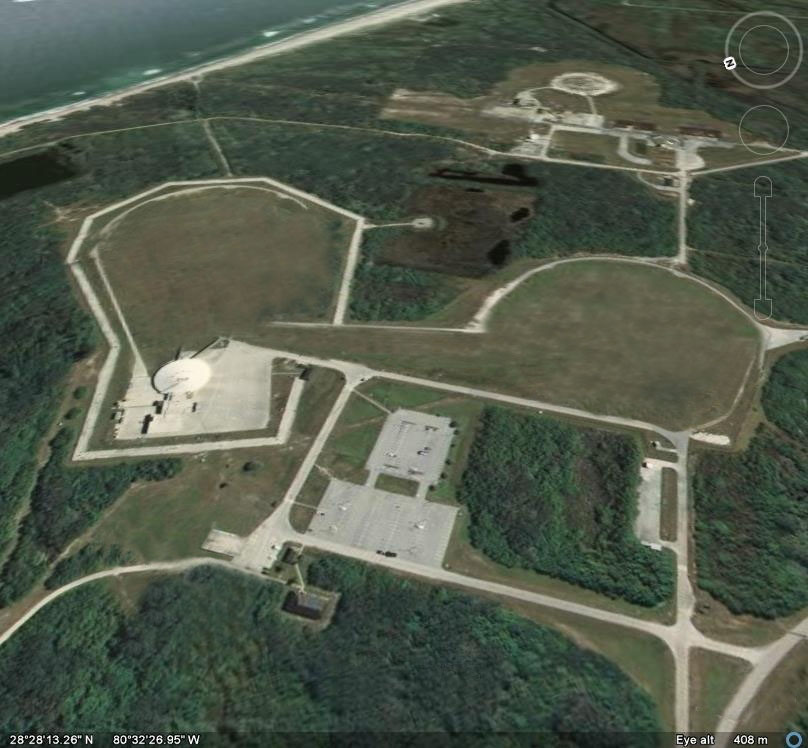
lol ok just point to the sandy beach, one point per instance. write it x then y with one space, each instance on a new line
359 23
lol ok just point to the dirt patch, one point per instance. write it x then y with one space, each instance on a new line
473 235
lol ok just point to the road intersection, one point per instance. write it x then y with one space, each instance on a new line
681 637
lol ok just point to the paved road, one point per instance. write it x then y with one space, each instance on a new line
166 566
348 274
774 655
684 194
258 547
680 637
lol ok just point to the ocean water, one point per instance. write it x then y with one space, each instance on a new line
54 52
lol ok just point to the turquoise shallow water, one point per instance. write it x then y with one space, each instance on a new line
53 52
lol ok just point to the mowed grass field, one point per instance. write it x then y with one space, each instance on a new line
609 337
231 490
714 679
222 261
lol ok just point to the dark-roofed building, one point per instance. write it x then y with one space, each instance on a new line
635 125
306 605
697 131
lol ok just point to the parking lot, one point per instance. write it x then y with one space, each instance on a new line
365 517
412 445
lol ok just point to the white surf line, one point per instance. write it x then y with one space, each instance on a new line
352 25
351 261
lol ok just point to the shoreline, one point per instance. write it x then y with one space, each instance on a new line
296 41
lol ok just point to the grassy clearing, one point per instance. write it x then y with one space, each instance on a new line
465 413
308 500
222 261
321 391
717 621
714 678
358 410
668 523
603 149
172 520
782 697
350 444
394 484
716 158
393 395
230 490
598 335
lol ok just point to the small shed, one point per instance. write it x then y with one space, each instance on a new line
306 605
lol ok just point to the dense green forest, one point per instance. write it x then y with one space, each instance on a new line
210 651
65 502
595 210
369 173
723 228
786 395
43 331
751 515
389 292
87 560
801 723
561 500
752 526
